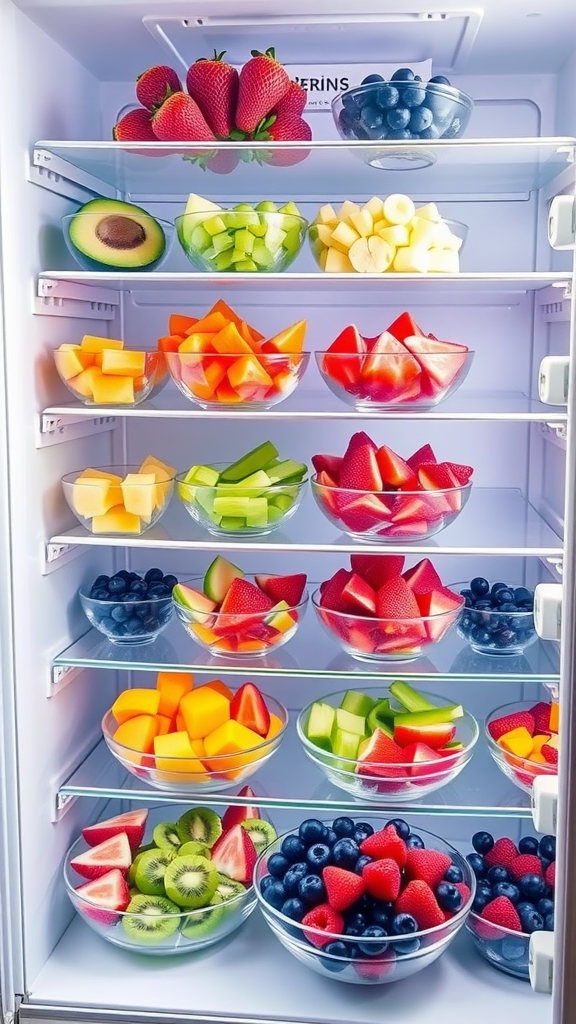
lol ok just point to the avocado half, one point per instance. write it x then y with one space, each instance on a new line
117 234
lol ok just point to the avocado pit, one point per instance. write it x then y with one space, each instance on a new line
119 232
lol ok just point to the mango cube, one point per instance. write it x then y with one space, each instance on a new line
92 343
220 687
233 742
83 383
95 495
137 734
123 363
109 390
554 716
163 473
276 726
71 361
137 701
116 520
204 710
139 494
164 725
174 754
172 686
517 741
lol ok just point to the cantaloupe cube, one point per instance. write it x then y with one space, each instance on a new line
137 701
83 383
554 716
210 324
246 372
123 363
116 520
163 473
164 725
536 752
280 618
197 342
172 686
180 723
204 710
202 378
139 494
337 262
108 390
205 635
233 743
174 754
137 734
226 394
229 339
325 233
94 496
220 687
71 361
517 741
99 474
198 747
247 646
92 343
276 726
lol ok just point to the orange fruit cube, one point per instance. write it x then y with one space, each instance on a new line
136 734
220 687
554 716
517 741
174 754
172 687
164 724
135 702
204 710
230 340
226 394
289 340
178 323
212 322
233 743
197 342
276 726
170 342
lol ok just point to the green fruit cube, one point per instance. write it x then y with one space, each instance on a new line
275 514
244 216
245 266
257 514
282 502
251 487
346 721
357 703
244 241
203 476
258 230
230 505
291 209
320 724
237 255
199 238
232 523
261 255
274 238
223 241
223 260
345 744
214 225
292 241
267 206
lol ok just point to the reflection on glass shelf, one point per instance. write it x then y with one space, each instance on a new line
496 520
311 654
290 779
312 405
458 167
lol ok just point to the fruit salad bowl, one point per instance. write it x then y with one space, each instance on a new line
404 762
378 955
516 739
126 615
237 379
120 500
111 377
497 622
388 517
503 948
241 241
123 241
240 509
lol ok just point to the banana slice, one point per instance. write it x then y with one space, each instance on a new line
347 209
363 222
395 235
398 209
429 212
371 255
412 259
337 262
375 206
443 261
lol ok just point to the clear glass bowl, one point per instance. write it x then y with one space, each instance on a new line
203 377
279 240
503 948
212 923
88 263
137 389
377 381
175 776
401 956
384 783
390 516
82 496
240 636
367 638
520 770
499 634
199 502
140 623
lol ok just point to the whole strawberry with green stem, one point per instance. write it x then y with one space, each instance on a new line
283 128
155 85
263 82
135 126
214 86
180 119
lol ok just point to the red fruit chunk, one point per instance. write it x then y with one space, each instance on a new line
382 879
248 707
361 512
434 736
405 327
331 596
422 758
462 473
358 440
439 602
112 853
324 919
412 509
464 889
234 814
345 371
550 874
390 372
283 588
419 900
386 843
438 477
427 865
541 715
359 596
424 454
360 470
244 604
381 749
376 569
394 471
503 852
331 464
422 578
234 854
550 752
525 863
329 498
500 726
377 967
343 887
132 823
441 361
108 893
502 912
395 600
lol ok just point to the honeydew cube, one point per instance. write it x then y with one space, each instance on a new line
452 242
398 209
123 363
232 523
274 238
363 222
257 514
343 237
443 261
92 343
429 212
116 520
231 505
206 501
337 262
394 235
84 382
199 205
246 266
375 206
261 255
199 238
347 209
138 493
94 496
259 229
275 514
244 240
71 361
243 216
423 232
327 216
222 242
214 225
236 256
112 390
411 260
282 502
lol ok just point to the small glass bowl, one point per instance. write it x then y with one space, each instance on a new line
203 377
142 621
389 516
392 959
175 776
279 240
367 638
503 948
435 111
116 520
240 636
135 389
499 634
89 263
389 783
205 926
282 501
520 770
352 379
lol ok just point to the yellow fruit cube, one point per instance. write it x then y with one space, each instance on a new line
363 223
371 255
139 493
83 383
230 748
172 686
174 754
280 617
429 212
411 260
136 701
203 711
325 233
379 225
71 361
327 215
517 741
94 496
423 232
398 209
276 726
108 390
375 206
123 363
100 474
536 753
163 473
443 261
347 209
116 520
343 237
394 234
323 258
337 262
92 343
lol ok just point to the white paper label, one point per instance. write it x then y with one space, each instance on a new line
324 81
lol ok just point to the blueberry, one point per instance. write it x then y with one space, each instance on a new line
483 885
453 874
414 96
357 921
275 895
371 116
504 596
109 626
101 581
497 873
523 594
528 845
403 75
374 931
311 890
514 949
99 594
343 827
364 905
398 118
124 575
496 587
400 135
330 837
403 924
545 864
370 79
420 119
139 587
293 849
479 586
293 876
545 907
482 842
381 915
312 831
278 865
414 842
406 947
352 931
319 856
349 102
511 892
170 581
361 864
481 900
266 881
547 847
387 97
117 585
402 827
134 626
524 906
339 949
531 921
533 886
362 831
119 613
440 80
481 636
157 590
294 909
448 896
549 923
345 853
506 638
508 606
153 574
477 863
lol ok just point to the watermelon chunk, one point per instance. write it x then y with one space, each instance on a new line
331 594
107 894
112 853
133 823
340 363
390 372
283 588
405 327
441 361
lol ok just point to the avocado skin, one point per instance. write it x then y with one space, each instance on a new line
104 218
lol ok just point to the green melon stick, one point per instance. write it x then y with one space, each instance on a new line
357 703
202 476
252 486
252 462
381 716
438 716
288 470
348 722
409 698
257 515
320 724
231 506
232 523
345 744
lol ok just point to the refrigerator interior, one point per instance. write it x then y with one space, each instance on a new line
71 68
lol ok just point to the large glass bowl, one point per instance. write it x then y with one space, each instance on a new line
216 773
249 635
279 240
389 783
520 770
201 502
157 497
131 390
88 263
389 516
503 948
393 959
134 622
368 638
185 932
266 379
496 633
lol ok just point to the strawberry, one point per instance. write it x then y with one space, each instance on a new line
359 596
135 126
360 470
221 161
427 865
462 473
343 887
424 454
419 900
377 569
235 814
331 594
395 600
283 588
437 477
502 912
112 853
386 843
132 823
422 578
263 83
405 327
243 599
524 864
214 86
500 726
550 874
288 128
330 464
382 879
464 890
362 512
180 119
292 102
323 919
541 715
154 86
234 854
550 750
248 707
394 471
438 603
503 852
108 893
359 439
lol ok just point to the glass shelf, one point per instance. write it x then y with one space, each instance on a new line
496 521
314 405
455 167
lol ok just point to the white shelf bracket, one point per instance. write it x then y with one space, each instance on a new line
57 555
60 677
55 429
555 433
66 298
58 175
62 804
555 303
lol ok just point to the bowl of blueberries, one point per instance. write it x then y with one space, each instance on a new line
401 109
498 618
129 607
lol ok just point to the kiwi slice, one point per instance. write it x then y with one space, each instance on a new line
144 847
200 924
166 837
145 919
227 888
150 871
191 881
133 867
194 848
199 823
261 832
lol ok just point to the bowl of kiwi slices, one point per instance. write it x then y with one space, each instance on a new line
168 887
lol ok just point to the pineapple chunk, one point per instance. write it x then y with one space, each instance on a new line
363 223
371 255
163 474
337 262
395 235
347 209
94 496
325 233
91 343
375 207
398 209
343 237
423 232
116 520
327 215
411 259
84 382
452 242
113 390
429 212
443 261
138 493
71 360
